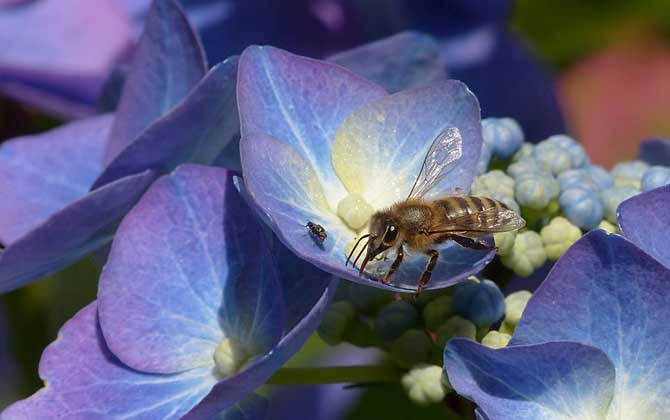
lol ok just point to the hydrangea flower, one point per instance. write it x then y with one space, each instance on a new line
590 344
336 148
66 190
195 311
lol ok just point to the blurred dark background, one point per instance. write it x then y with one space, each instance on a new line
610 63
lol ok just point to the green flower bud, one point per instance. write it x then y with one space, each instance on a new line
496 340
437 312
424 384
506 328
493 182
394 319
411 348
504 242
526 151
368 300
527 254
608 227
336 322
515 303
455 327
558 236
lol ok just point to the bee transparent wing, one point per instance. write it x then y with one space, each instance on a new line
491 220
446 150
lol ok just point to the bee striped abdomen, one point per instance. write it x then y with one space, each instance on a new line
457 207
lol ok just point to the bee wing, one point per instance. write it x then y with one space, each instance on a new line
491 220
446 150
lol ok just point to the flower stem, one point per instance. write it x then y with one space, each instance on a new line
335 374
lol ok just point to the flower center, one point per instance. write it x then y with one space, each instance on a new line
354 211
229 356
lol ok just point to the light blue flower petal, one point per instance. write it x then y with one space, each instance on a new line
227 392
162 290
480 415
286 192
607 293
83 380
197 130
645 220
71 233
402 61
301 102
168 62
380 147
549 381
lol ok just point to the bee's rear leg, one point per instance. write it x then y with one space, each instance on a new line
471 243
428 271
394 266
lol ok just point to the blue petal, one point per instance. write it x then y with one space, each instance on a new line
196 130
403 61
83 380
549 381
41 174
253 407
284 188
645 220
607 293
301 102
655 151
71 233
232 389
380 147
190 237
168 62
54 58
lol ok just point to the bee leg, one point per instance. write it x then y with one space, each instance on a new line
394 266
466 242
428 271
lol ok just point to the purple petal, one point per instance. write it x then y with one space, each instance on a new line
380 147
83 380
607 293
41 174
284 188
196 130
645 220
52 64
403 61
655 151
555 380
301 102
480 414
74 231
169 61
161 293
232 389
252 407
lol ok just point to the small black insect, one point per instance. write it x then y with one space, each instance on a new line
317 231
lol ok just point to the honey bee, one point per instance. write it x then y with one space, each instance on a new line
317 231
419 224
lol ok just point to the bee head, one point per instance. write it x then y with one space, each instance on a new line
384 234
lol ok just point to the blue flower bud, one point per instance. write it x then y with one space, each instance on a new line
536 191
484 159
526 167
455 327
493 182
578 155
480 302
600 176
629 173
612 197
655 177
504 135
582 207
368 300
526 151
555 158
508 200
437 311
577 178
394 319
411 348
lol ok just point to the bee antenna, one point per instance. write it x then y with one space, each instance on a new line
361 253
354 248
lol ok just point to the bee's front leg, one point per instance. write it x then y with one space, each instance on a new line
428 271
394 266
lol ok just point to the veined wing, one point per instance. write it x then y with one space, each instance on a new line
446 150
491 220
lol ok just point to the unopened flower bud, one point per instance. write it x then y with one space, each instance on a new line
600 176
504 242
411 348
582 207
536 192
629 173
655 177
492 182
455 327
336 322
437 311
496 340
612 197
558 236
527 254
515 303
424 384
608 227
394 319
482 302
504 135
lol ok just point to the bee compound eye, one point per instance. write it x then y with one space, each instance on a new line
391 234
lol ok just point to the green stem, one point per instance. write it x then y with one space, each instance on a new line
335 374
